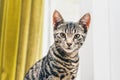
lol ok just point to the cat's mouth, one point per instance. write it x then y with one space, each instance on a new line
69 48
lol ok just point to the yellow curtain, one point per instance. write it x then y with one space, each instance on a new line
21 26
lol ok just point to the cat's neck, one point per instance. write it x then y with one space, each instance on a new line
69 65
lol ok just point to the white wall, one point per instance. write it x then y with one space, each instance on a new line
101 39
106 15
114 17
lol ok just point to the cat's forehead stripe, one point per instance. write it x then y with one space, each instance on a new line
70 27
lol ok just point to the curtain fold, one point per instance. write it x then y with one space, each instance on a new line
33 51
10 32
23 38
21 24
1 16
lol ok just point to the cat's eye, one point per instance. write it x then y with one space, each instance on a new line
62 35
77 36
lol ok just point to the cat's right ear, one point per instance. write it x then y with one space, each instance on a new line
57 19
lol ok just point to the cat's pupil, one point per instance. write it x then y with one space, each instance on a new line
77 36
63 35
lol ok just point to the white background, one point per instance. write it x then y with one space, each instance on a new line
106 37
114 11
99 56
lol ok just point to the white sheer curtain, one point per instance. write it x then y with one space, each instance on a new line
106 39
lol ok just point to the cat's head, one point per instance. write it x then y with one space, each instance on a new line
69 36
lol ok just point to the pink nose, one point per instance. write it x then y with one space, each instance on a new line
69 44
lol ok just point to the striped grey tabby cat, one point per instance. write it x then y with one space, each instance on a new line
62 60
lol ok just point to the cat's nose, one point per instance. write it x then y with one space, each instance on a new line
69 44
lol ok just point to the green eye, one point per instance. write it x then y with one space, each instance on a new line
77 36
62 35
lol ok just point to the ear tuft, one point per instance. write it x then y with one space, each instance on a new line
85 20
57 18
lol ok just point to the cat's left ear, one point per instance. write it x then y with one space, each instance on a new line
85 21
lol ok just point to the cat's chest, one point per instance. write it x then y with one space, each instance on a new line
62 77
64 74
68 76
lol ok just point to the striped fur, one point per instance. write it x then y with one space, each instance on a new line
55 66
62 60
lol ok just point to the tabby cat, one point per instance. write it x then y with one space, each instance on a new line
62 60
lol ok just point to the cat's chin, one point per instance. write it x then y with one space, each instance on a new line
69 50
71 53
